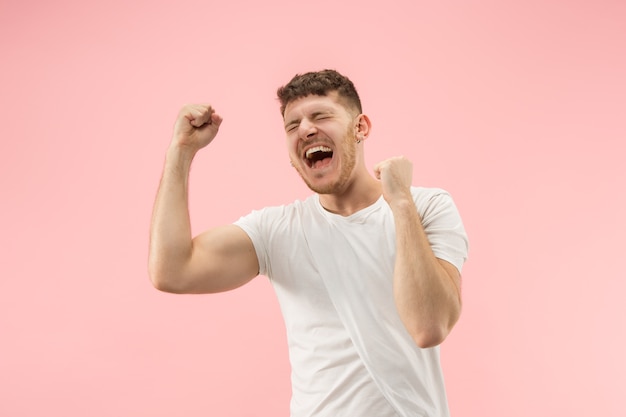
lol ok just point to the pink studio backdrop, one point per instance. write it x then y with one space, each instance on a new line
517 108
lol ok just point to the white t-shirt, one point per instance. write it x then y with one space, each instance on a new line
350 354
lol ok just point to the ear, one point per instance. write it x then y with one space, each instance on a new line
363 127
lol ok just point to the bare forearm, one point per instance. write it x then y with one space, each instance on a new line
216 260
170 233
426 296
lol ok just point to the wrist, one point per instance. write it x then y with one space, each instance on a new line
401 199
180 152
402 204
179 157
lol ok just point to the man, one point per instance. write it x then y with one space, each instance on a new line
366 270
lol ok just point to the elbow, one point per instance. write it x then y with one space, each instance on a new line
159 282
434 334
167 286
428 338
163 281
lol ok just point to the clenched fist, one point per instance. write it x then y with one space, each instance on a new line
196 126
395 175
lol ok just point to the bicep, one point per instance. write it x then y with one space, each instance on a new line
222 259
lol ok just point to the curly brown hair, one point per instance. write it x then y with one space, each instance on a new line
319 83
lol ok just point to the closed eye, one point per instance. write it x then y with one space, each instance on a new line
321 116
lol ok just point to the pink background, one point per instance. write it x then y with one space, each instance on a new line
517 108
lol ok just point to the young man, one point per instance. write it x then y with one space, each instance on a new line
366 270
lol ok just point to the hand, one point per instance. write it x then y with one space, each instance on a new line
196 126
395 175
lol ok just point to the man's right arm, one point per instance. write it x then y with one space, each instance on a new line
217 260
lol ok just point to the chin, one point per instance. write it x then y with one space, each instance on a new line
331 182
334 187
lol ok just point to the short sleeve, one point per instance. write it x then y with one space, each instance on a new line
252 224
443 225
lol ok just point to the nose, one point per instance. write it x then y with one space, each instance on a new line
307 129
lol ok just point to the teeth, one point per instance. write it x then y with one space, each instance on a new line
317 149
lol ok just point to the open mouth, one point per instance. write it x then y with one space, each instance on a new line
318 156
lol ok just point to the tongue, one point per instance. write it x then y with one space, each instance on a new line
321 163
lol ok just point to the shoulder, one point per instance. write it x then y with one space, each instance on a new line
425 197
442 224
427 192
435 206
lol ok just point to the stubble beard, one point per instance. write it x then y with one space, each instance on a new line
348 162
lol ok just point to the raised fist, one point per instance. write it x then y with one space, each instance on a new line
196 126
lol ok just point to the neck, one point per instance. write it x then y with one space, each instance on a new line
357 196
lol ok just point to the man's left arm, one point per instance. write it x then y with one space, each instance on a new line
427 290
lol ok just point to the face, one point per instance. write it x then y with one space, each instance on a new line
321 139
